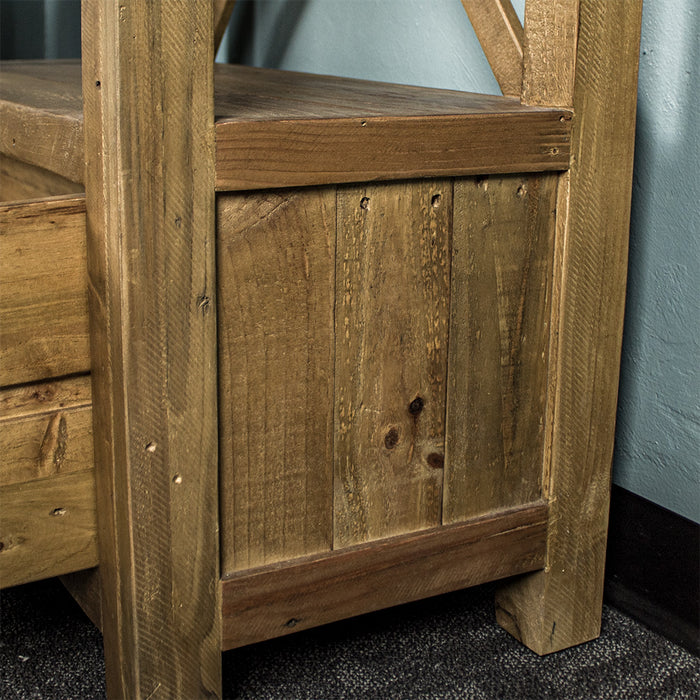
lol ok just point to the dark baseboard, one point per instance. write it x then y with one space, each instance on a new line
653 567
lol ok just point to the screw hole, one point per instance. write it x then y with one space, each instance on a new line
436 201
364 203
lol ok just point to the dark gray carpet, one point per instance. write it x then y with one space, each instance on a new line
444 648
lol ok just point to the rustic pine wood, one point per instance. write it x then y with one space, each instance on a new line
500 296
500 34
23 181
276 600
47 481
392 313
223 9
43 290
150 204
47 527
562 605
276 272
361 130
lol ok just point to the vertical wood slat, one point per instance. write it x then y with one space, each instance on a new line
500 33
148 109
561 606
223 9
392 287
276 269
501 277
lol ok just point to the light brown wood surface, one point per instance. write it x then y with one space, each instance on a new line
500 34
43 290
501 291
276 271
223 9
148 90
392 313
276 600
266 119
47 481
23 181
562 605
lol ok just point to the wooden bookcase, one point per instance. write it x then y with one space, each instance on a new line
278 349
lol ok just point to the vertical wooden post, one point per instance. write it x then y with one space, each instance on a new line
148 104
585 53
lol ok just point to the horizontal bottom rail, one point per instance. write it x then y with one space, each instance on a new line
275 600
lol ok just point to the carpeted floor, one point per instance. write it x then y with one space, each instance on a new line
444 648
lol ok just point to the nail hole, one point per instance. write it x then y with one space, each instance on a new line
292 623
13 142
57 512
363 123
522 191
177 479
562 118
151 447
98 84
436 200
364 203
416 406
391 439
436 460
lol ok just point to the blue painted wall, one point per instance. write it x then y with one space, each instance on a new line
430 42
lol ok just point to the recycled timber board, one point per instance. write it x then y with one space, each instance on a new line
280 128
20 181
279 599
43 290
392 313
276 272
497 368
47 481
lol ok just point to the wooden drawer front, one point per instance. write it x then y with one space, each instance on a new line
382 359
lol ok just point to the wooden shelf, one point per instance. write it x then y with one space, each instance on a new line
277 128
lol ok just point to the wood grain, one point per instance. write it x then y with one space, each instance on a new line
500 34
392 308
497 368
280 128
277 600
43 290
562 606
45 429
276 275
549 48
47 527
148 93
23 181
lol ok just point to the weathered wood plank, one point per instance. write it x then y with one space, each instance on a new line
148 96
392 308
497 368
276 600
283 129
549 52
45 429
23 181
223 9
47 527
276 272
43 290
500 34
562 605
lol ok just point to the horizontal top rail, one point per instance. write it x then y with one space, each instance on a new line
279 128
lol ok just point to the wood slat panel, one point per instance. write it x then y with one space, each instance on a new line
149 127
276 295
562 606
280 128
501 291
43 290
45 429
23 181
47 527
392 307
500 34
278 600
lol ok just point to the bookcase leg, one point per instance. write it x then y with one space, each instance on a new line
561 606
149 130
